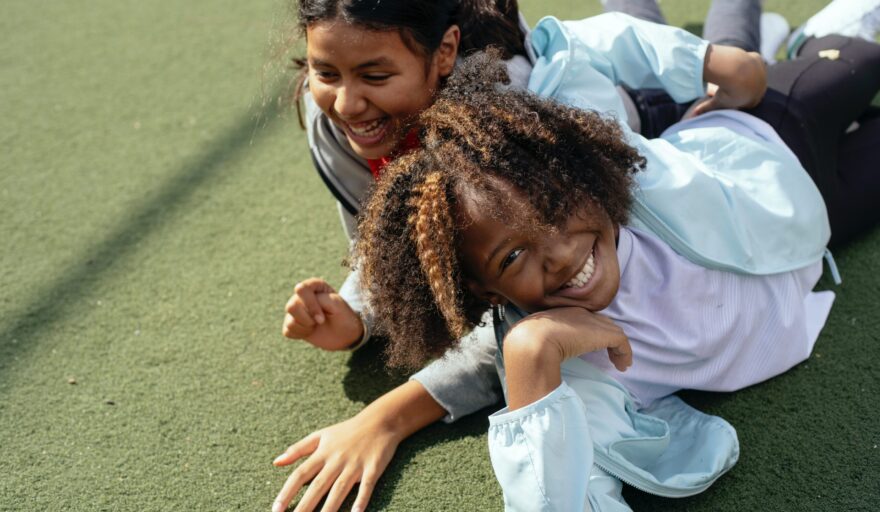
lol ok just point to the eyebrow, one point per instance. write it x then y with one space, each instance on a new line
381 61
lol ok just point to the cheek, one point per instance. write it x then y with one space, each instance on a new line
406 99
322 95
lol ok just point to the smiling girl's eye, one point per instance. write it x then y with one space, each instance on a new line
376 77
510 258
325 76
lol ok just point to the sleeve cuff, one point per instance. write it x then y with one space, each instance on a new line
365 337
504 416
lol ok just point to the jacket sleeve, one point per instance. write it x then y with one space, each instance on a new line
581 62
465 380
542 455
346 175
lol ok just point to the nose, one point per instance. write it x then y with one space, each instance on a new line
349 101
558 254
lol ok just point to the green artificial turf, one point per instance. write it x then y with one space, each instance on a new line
156 208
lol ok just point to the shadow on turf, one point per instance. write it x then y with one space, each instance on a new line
368 377
55 302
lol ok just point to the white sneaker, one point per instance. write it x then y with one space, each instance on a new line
853 18
774 30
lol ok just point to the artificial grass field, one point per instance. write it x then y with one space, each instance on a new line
156 208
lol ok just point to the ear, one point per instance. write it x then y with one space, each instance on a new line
480 291
447 52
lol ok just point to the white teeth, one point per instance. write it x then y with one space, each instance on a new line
583 277
369 129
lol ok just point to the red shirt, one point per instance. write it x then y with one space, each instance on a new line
409 143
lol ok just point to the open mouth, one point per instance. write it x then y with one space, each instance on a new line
368 132
584 274
582 278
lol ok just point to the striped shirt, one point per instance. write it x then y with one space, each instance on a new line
696 328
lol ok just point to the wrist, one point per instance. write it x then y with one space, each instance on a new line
363 337
403 411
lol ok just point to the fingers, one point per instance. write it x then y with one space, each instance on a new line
304 306
317 489
703 106
294 483
291 329
329 303
298 450
621 355
341 487
368 483
303 309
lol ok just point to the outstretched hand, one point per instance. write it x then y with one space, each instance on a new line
317 314
355 450
337 458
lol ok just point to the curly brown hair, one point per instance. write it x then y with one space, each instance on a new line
477 137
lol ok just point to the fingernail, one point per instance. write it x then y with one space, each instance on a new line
278 458
320 319
357 508
278 507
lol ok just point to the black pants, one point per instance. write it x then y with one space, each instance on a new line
810 102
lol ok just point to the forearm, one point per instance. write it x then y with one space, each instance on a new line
404 410
532 367
739 73
536 346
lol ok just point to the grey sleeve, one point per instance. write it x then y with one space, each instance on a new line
349 222
465 379
353 295
346 175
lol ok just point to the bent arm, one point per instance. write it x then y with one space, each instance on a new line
465 380
580 62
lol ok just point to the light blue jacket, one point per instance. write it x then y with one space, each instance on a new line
722 200
574 446
758 210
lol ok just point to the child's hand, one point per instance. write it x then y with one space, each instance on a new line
572 331
536 346
316 314
337 458
356 450
737 79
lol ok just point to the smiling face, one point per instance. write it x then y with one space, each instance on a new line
537 269
371 84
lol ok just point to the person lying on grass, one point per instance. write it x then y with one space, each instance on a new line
742 178
522 204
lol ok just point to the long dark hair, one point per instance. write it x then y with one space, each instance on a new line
421 24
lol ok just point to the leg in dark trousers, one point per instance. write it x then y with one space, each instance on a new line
810 102
734 23
857 202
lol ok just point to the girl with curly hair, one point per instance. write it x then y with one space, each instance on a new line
524 205
458 384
